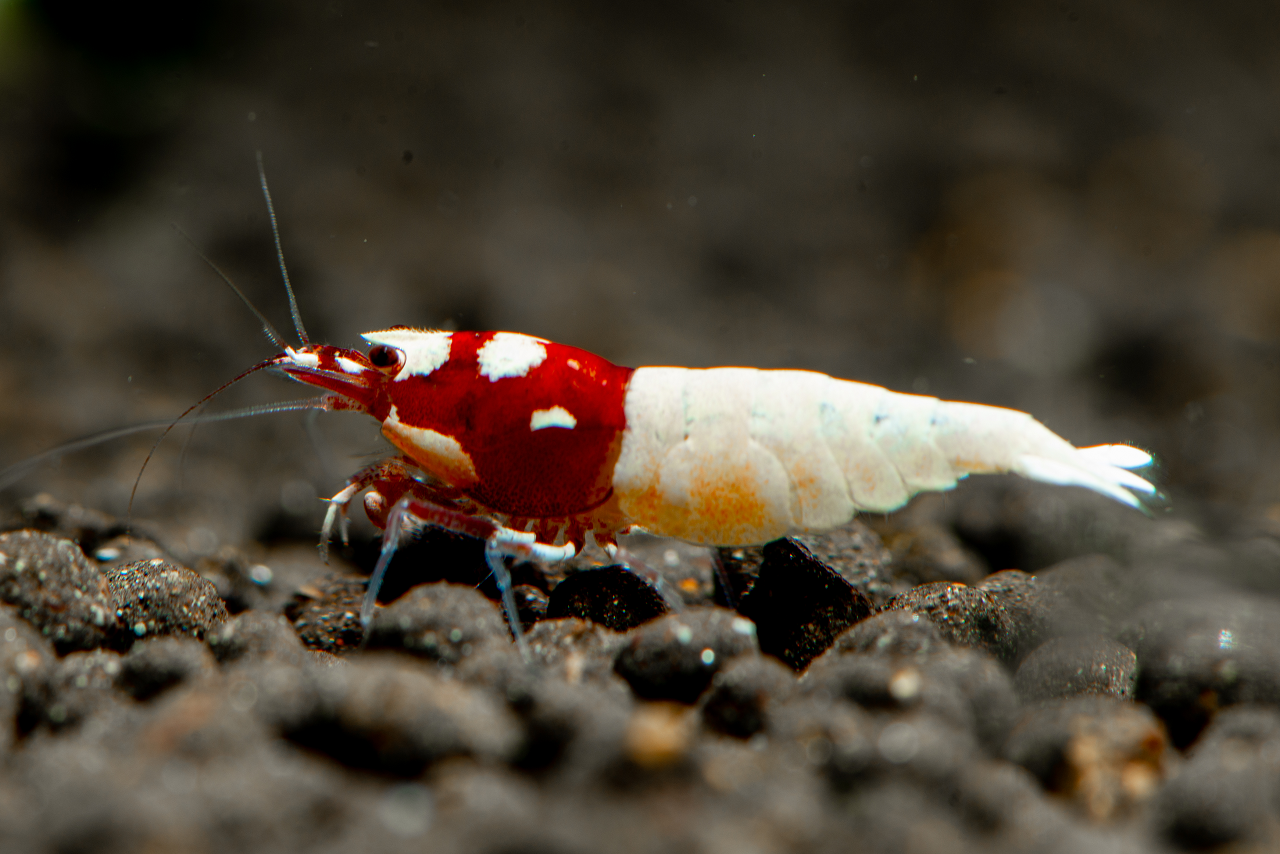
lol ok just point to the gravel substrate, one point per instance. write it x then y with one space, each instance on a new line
1021 713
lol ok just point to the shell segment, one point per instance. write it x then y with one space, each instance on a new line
523 426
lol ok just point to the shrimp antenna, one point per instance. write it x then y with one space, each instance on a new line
275 231
17 471
271 331
322 402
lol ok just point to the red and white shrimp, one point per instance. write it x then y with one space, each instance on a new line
532 445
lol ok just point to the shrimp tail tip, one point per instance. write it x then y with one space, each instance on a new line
1120 456
1097 470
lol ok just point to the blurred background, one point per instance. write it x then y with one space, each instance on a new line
1065 207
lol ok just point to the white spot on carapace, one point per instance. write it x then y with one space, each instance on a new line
573 363
556 416
424 352
306 360
350 366
510 354
439 454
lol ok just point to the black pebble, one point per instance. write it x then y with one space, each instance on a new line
1084 664
966 616
740 694
966 687
1227 790
892 633
1105 754
58 590
613 596
66 691
799 604
1085 595
325 613
441 622
156 597
157 664
254 637
675 657
433 556
531 604
1018 593
1198 655
854 551
392 717
926 552
575 650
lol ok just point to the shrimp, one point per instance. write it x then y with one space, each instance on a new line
533 445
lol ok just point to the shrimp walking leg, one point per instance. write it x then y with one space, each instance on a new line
411 510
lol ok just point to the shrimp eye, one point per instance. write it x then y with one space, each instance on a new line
385 358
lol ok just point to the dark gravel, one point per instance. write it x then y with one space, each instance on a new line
155 597
439 622
1083 664
964 615
612 596
799 604
1198 655
675 658
58 590
1106 756
1226 793
906 710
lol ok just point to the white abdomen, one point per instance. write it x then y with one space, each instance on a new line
736 456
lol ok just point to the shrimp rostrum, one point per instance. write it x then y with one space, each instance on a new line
533 445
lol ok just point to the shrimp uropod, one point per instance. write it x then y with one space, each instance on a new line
532 445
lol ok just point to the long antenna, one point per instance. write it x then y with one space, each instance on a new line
286 406
271 331
275 231
17 471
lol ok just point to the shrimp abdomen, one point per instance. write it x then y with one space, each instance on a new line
734 456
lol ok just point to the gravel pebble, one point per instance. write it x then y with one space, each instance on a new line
1082 664
574 732
853 551
964 686
1085 595
1227 791
927 551
675 657
966 616
24 654
64 692
1019 594
892 633
325 612
1105 755
800 604
58 590
394 717
613 596
575 650
1198 655
439 622
156 597
254 637
157 664
531 604
741 694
